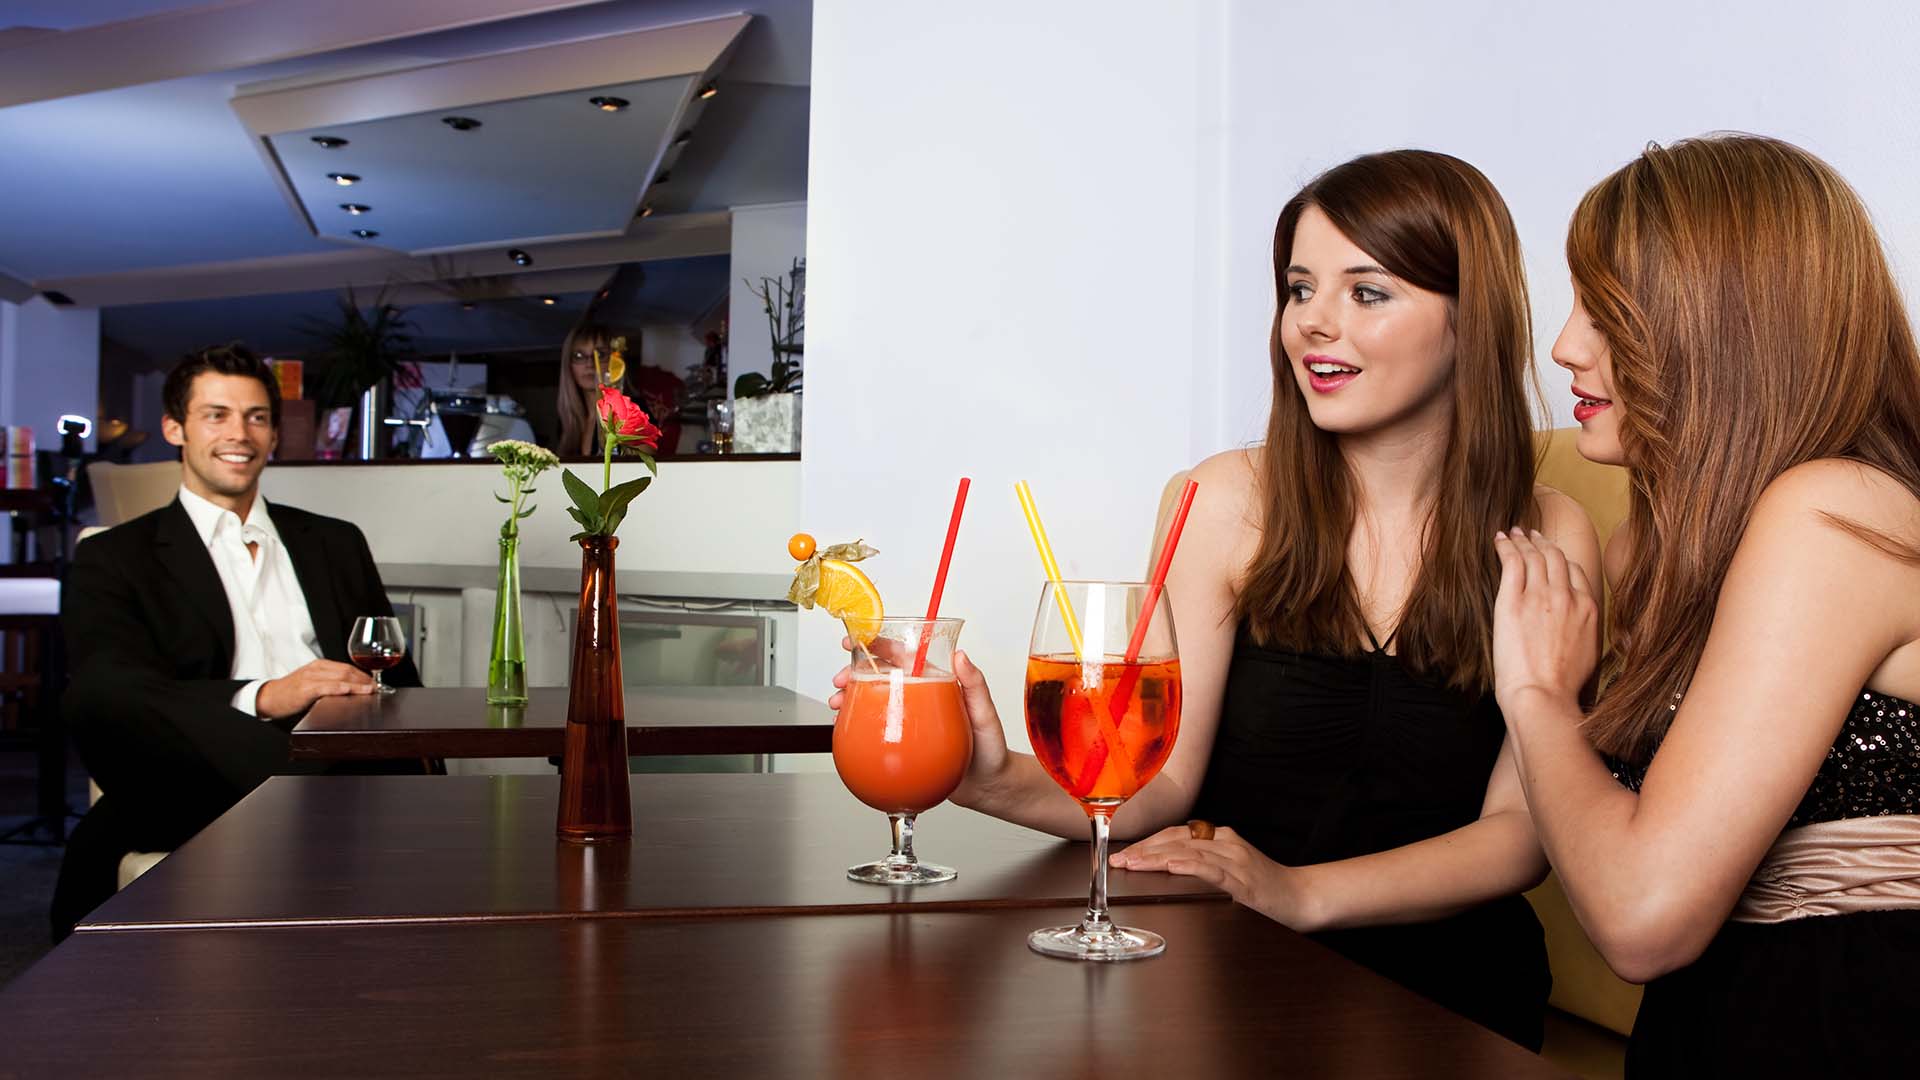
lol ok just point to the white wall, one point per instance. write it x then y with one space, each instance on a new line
49 366
698 517
1546 99
1012 274
1039 232
766 240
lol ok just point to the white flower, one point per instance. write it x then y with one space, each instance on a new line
521 455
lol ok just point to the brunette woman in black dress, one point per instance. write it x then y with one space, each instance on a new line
1333 594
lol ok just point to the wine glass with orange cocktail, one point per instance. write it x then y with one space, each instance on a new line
1103 709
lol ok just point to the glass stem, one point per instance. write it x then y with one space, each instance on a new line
377 681
1097 921
902 840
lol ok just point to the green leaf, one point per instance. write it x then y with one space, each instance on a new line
615 503
647 460
751 384
527 513
502 498
582 495
586 522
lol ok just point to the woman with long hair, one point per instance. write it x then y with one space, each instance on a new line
1334 598
1734 819
580 381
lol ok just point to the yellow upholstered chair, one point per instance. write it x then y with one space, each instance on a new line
1583 985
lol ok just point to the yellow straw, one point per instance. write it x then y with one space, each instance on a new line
1052 568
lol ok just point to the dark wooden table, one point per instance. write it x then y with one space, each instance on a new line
360 849
932 994
34 667
457 722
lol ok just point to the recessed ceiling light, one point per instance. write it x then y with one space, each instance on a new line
683 138
608 104
356 209
344 179
460 123
664 176
520 258
548 300
329 142
646 210
708 91
366 234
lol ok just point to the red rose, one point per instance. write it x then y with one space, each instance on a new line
620 416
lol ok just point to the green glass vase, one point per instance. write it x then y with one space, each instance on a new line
507 664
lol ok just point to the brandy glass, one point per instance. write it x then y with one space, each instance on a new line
376 644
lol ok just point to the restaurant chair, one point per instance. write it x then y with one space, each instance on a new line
124 492
1583 985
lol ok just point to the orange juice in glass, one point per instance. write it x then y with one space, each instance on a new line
1102 725
901 742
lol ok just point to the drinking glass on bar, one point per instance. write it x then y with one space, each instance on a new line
901 742
376 644
1101 726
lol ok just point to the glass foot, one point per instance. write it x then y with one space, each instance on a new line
1076 943
383 688
887 873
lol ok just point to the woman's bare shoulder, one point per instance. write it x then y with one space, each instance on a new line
1849 490
1224 525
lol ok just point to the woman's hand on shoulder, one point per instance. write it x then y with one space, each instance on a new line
1546 623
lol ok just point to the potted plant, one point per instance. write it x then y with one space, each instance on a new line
766 409
362 350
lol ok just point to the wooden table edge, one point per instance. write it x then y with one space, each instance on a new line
728 912
642 741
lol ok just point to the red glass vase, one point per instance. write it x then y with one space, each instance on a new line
594 804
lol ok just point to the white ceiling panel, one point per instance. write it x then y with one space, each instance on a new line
535 169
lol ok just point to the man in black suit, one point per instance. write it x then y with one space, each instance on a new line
200 633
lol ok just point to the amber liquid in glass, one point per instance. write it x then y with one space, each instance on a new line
375 659
1102 730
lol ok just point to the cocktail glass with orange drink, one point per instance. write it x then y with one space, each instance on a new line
1102 725
901 741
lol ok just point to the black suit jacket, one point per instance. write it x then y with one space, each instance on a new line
150 640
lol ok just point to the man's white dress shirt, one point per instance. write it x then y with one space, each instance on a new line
272 630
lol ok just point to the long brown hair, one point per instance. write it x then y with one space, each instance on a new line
1436 223
1753 325
579 423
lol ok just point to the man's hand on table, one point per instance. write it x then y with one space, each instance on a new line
295 693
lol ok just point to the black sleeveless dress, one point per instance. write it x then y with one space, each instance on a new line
1321 758
1823 995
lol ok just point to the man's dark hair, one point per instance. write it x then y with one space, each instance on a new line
233 359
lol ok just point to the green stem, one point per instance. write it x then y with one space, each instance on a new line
512 528
606 460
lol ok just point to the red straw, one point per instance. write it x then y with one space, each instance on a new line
1123 690
1160 571
940 578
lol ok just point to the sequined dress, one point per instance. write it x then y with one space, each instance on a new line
1321 757
1823 995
